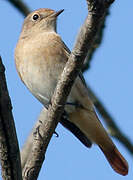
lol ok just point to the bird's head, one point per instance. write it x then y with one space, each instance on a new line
40 20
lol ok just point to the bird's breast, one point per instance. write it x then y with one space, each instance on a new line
40 62
39 73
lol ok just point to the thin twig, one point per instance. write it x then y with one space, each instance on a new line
21 6
9 149
49 122
96 44
113 129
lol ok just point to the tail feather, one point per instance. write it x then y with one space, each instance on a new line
116 160
88 123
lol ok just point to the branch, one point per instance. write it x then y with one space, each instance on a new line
48 123
97 42
9 150
21 6
26 150
110 123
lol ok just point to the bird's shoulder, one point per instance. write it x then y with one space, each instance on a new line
56 39
67 53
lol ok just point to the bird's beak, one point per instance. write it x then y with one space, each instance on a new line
57 13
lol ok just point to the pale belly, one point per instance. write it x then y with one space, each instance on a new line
42 82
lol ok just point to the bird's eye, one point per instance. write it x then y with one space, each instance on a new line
35 17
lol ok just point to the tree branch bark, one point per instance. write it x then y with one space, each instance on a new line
9 149
48 123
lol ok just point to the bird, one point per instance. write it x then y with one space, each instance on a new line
40 57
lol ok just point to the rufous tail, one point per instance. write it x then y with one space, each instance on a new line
88 123
116 160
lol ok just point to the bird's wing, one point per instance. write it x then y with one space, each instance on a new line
68 52
65 121
75 130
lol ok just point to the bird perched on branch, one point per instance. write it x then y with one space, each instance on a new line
40 57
